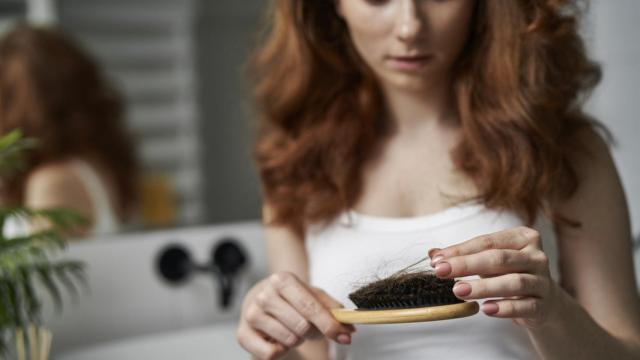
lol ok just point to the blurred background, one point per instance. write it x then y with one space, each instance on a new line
179 65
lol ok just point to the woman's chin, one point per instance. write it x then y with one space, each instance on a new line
408 83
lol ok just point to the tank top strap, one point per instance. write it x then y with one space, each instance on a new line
104 213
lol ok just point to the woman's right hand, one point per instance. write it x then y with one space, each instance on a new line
281 311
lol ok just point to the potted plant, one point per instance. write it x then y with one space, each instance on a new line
27 268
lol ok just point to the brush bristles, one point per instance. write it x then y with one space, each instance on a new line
406 291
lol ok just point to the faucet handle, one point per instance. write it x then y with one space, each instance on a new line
174 264
227 258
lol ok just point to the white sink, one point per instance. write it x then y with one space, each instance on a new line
207 343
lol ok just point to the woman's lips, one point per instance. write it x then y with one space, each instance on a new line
410 63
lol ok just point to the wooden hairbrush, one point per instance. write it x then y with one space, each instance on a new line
406 297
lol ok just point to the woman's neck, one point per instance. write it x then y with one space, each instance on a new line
413 111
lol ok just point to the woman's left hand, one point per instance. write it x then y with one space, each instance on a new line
512 267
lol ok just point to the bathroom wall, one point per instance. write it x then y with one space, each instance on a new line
616 102
611 29
224 34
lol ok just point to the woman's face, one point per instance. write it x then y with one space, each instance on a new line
408 43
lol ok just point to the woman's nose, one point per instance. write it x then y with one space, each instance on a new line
409 22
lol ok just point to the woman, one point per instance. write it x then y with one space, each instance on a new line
394 129
55 93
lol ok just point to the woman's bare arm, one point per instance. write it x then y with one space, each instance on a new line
601 311
286 252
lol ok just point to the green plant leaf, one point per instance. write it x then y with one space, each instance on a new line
31 299
52 288
11 138
13 308
6 315
61 275
40 240
63 219
76 269
12 146
20 318
23 320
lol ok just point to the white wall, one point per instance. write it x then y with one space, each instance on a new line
613 31
225 33
41 12
616 102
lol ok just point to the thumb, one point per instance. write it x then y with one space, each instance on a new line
330 303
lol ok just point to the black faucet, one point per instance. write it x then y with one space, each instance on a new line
227 258
176 265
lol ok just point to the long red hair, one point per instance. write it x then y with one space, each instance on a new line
54 91
520 84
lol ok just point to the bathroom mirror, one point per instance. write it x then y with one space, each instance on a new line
179 68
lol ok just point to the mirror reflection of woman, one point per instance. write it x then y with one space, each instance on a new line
54 92
455 128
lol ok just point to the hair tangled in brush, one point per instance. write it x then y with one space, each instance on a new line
405 290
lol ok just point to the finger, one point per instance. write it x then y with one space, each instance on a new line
273 304
326 299
255 343
528 308
330 303
504 286
275 329
487 276
515 239
281 349
493 262
301 298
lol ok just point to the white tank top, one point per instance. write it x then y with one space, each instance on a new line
105 219
354 248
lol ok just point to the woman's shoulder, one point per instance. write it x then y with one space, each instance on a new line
596 174
56 184
592 143
55 173
591 158
64 172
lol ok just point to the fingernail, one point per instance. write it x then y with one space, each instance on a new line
436 259
461 289
443 269
490 308
344 339
432 251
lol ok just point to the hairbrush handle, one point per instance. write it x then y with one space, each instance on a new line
395 316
